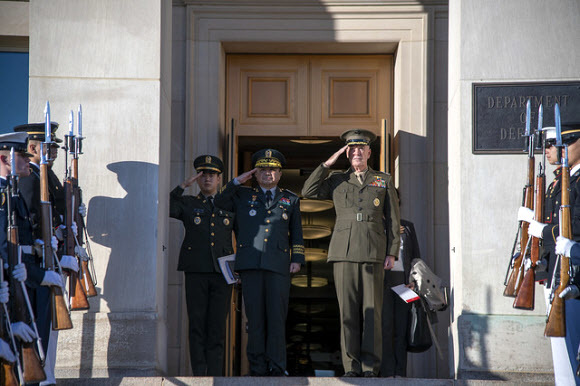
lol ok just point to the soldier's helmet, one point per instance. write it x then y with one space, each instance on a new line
550 135
18 141
358 137
209 164
36 131
268 158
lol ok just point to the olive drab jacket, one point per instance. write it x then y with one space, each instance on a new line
208 232
268 237
367 217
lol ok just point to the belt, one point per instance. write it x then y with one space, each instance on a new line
357 217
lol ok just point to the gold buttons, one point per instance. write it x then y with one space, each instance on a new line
213 215
213 234
212 244
269 211
267 221
265 240
267 230
189 248
212 224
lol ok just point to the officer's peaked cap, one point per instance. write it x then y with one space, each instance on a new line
570 132
208 163
36 131
18 141
358 137
268 158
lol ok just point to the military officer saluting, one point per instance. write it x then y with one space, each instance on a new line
364 243
208 235
270 247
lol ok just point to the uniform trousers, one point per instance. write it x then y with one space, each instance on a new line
266 296
572 309
395 319
208 299
40 299
359 289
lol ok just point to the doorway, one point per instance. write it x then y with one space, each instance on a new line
299 105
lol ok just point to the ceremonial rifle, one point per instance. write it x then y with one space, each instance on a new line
77 295
526 293
517 266
7 375
60 314
32 361
556 323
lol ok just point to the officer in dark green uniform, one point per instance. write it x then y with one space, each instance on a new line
364 243
208 235
270 247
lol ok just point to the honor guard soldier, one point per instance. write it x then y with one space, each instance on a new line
364 243
208 235
30 190
564 371
270 247
37 279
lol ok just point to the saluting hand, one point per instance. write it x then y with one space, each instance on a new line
294 267
332 160
389 263
187 183
242 178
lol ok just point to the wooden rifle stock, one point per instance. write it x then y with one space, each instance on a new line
556 324
31 364
7 374
77 295
517 274
60 315
526 294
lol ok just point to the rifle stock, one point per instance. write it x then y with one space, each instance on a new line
60 315
556 324
526 293
77 295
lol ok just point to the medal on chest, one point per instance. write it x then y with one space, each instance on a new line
376 202
252 212
197 220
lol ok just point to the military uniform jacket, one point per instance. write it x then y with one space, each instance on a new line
30 190
367 217
35 273
552 218
208 232
268 238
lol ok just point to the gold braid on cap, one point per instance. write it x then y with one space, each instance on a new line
268 163
357 141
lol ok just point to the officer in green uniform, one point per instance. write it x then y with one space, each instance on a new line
208 235
364 243
270 247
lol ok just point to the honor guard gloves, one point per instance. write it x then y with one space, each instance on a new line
23 332
19 272
563 246
52 278
4 292
570 292
69 262
83 210
525 214
6 352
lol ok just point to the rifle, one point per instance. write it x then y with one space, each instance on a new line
77 296
32 362
60 314
556 323
517 273
526 294
7 375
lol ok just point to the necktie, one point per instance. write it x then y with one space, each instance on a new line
359 177
268 197
210 199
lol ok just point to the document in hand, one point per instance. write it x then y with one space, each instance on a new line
405 293
227 267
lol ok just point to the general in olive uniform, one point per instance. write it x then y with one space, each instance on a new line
365 241
208 235
270 247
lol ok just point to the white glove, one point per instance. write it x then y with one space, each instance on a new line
6 352
74 228
59 232
69 262
19 272
52 278
570 292
527 264
54 243
38 244
563 246
81 253
525 214
23 332
536 228
4 292
83 209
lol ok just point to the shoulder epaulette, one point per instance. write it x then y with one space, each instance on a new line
289 191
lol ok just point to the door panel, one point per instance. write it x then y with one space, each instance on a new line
308 95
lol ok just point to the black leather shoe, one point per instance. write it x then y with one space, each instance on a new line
369 374
351 374
276 373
